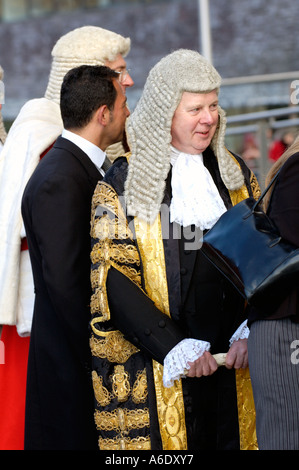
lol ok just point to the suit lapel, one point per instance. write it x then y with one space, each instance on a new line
92 172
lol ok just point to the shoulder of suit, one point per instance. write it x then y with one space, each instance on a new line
116 176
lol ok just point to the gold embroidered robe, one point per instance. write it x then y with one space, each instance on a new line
133 408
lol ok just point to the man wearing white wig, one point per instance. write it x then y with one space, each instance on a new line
32 134
160 312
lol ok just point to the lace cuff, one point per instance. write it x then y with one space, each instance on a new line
176 361
241 333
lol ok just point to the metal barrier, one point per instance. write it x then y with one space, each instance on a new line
260 123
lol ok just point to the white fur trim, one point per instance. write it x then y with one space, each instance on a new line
26 296
34 130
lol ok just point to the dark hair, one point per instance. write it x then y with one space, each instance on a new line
85 89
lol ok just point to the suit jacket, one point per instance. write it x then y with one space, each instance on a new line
56 211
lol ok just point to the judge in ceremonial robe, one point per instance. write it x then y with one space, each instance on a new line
159 311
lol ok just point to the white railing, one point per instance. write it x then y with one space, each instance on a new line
260 123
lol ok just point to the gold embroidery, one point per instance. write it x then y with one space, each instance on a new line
109 250
120 384
102 395
104 251
125 443
113 346
256 190
106 196
122 419
105 227
170 406
99 303
246 410
139 392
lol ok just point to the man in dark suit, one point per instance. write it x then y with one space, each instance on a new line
56 211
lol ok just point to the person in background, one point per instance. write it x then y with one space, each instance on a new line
251 153
56 212
2 127
273 340
32 134
159 310
280 145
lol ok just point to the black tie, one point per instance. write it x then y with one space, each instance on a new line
106 165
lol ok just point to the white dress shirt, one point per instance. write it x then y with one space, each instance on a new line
96 155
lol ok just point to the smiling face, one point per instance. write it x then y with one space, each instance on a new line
194 122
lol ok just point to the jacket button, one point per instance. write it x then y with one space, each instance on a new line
147 331
183 271
162 323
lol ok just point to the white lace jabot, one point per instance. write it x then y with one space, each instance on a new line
195 197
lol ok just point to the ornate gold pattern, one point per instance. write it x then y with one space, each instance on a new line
102 395
246 410
114 247
104 251
125 443
139 392
106 197
256 190
122 419
121 383
113 346
170 404
110 228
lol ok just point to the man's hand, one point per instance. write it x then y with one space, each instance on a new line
237 356
204 365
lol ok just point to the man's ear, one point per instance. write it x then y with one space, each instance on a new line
103 115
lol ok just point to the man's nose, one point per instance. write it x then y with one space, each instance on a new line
128 82
206 116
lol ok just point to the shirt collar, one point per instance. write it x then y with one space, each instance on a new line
96 155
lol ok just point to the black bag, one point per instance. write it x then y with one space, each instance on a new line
247 248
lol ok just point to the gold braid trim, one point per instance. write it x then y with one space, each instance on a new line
110 233
170 402
121 388
246 407
113 346
102 395
246 410
122 419
256 190
125 443
114 246
139 392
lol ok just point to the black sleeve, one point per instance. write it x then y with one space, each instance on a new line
136 316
